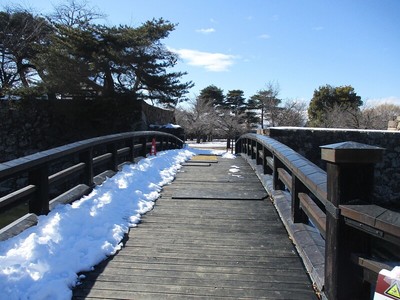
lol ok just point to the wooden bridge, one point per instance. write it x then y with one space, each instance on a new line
212 234
267 225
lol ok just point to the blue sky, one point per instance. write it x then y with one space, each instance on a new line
299 44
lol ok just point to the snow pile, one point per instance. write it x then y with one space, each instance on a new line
228 155
43 261
169 126
208 145
173 126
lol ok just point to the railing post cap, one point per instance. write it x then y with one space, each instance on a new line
351 152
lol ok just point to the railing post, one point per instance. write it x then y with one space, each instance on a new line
298 215
253 153
112 148
278 185
258 149
131 144
248 146
181 144
238 146
87 158
39 205
162 143
175 143
266 168
143 151
350 172
167 143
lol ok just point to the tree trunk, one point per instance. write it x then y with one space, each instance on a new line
262 117
108 83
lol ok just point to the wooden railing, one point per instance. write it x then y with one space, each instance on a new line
66 173
338 202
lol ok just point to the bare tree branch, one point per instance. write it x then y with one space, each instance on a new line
75 14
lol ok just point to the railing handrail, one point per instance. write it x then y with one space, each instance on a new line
296 163
30 161
75 159
335 191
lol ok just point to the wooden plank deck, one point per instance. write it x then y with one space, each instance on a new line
212 235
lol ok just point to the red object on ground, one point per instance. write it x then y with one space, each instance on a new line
153 150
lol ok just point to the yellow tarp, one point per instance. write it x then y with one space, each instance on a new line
205 157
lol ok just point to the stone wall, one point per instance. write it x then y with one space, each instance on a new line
152 115
307 142
27 127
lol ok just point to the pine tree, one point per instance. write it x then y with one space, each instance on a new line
328 98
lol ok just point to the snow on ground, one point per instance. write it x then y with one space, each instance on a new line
216 147
208 145
43 261
228 155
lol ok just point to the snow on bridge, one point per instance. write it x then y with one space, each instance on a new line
44 261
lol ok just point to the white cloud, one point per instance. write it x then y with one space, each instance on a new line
264 36
206 30
378 101
214 62
318 28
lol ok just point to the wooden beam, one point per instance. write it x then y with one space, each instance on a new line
312 210
17 195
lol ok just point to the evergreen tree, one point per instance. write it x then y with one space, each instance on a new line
235 102
109 60
328 98
20 33
213 95
267 102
